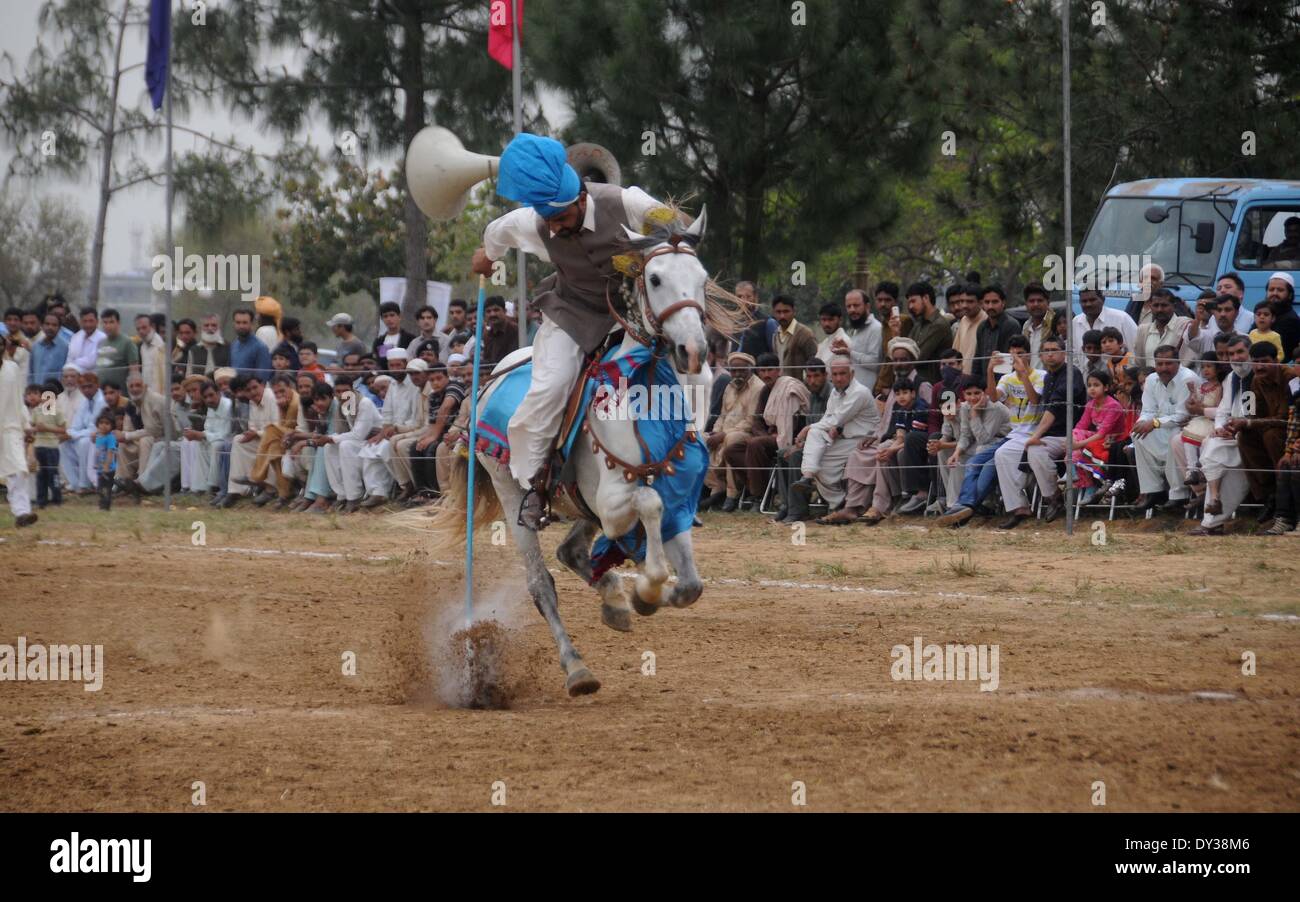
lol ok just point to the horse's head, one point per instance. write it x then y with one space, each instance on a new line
672 282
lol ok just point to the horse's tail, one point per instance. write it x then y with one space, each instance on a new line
449 515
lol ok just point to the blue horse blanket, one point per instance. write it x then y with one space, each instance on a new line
661 426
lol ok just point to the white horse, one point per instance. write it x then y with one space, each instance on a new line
669 299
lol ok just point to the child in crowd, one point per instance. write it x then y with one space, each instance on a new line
1263 331
1117 356
1091 343
280 361
49 427
105 458
1209 392
1102 421
307 360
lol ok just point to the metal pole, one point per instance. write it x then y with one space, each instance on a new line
517 79
473 445
168 338
1069 294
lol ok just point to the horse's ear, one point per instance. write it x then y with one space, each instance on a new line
696 230
632 235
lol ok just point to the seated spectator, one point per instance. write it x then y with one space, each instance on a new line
322 422
731 431
851 415
906 450
267 474
811 409
1020 388
1164 413
1263 436
1226 484
1102 421
867 483
1047 444
146 423
165 461
353 477
218 424
984 426
441 407
1201 407
1286 500
757 454
263 413
945 401
77 454
405 413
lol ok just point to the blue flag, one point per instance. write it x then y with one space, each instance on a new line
160 46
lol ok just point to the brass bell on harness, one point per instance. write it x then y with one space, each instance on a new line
670 469
629 476
680 454
609 463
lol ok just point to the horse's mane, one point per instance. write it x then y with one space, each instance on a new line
724 311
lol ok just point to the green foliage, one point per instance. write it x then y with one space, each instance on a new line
42 249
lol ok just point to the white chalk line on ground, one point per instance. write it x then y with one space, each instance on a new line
719 581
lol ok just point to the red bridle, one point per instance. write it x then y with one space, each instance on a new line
656 322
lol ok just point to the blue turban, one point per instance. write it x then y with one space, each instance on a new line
534 171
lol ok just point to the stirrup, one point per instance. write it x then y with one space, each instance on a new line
543 517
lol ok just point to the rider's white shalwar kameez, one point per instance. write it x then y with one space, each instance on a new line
14 419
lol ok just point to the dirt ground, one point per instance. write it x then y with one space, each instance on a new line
224 664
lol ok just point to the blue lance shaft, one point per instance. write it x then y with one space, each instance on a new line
473 444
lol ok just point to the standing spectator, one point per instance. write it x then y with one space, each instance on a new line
308 363
105 458
1096 315
116 355
929 330
894 323
1163 328
49 352
457 317
1263 331
211 352
248 354
349 344
83 348
830 319
426 320
153 355
500 334
393 335
1041 319
994 333
964 303
1280 295
14 421
864 345
47 430
268 321
1286 501
794 342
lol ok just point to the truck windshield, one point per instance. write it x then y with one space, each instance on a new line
1121 230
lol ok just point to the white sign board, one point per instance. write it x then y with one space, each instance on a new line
438 295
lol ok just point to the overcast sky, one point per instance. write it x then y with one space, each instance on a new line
140 209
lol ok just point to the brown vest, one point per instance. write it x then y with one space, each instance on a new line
574 297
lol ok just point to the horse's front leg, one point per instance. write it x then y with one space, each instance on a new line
575 553
541 586
681 555
654 572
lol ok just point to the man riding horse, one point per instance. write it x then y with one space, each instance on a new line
579 228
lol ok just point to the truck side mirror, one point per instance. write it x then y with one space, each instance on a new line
1204 237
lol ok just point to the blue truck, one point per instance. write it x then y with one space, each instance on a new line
1196 230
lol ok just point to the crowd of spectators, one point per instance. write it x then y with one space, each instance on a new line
904 408
894 405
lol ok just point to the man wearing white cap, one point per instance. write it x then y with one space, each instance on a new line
1280 293
341 325
579 228
403 415
733 427
69 402
851 415
79 450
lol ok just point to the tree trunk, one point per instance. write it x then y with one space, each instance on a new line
106 167
417 228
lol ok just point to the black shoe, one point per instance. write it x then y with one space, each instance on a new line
712 500
1055 507
1266 516
1012 521
780 515
730 505
1174 506
229 501
24 520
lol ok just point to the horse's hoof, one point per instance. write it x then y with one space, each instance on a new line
644 608
581 682
684 597
616 618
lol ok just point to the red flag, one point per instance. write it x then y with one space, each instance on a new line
500 39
